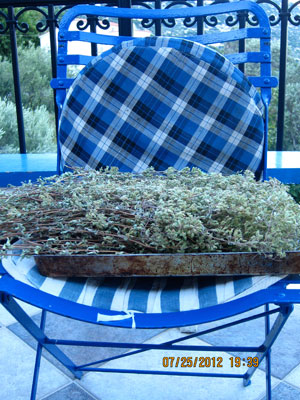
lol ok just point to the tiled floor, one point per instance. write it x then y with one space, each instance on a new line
17 359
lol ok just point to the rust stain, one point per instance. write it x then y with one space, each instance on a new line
167 264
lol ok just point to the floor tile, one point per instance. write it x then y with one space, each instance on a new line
128 386
16 370
294 377
296 309
285 391
65 328
285 357
70 392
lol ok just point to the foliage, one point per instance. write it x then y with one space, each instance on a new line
35 76
23 39
294 190
292 96
37 99
292 104
39 125
94 212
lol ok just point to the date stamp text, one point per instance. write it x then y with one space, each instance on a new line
207 362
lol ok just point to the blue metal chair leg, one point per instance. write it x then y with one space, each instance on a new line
268 357
16 311
38 359
271 335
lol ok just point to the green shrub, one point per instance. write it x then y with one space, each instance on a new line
35 77
25 39
294 190
39 127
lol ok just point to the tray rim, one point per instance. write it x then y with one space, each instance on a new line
254 253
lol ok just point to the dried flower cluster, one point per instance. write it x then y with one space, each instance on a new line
188 211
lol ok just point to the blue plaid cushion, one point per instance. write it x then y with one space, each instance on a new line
162 102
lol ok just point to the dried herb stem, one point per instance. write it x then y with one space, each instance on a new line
112 212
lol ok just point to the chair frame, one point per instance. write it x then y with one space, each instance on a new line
283 294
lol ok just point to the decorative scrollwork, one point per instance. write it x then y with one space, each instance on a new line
253 21
211 21
146 22
58 14
41 26
3 28
170 22
232 20
188 21
294 19
274 19
272 7
103 24
82 25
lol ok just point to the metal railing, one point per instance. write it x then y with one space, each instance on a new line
281 14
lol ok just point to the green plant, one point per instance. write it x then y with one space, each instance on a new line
31 18
39 127
294 191
35 76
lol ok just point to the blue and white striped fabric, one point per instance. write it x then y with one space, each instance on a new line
150 295
162 102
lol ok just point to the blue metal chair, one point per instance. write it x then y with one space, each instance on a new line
94 134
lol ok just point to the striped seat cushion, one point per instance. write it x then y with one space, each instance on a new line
162 102
149 295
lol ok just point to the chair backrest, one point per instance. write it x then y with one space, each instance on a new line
198 86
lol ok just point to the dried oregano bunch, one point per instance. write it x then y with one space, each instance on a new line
188 211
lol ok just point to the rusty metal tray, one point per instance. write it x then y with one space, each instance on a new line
167 264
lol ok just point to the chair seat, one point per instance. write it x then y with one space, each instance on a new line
160 102
148 295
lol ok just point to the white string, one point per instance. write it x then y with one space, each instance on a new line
118 317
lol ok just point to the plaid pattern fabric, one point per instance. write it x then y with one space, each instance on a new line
162 102
151 295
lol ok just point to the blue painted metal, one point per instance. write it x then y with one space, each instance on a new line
50 344
17 168
36 332
210 38
284 166
27 162
268 356
270 337
172 373
276 294
216 9
150 346
38 359
206 331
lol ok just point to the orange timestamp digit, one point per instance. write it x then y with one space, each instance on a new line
244 361
192 362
